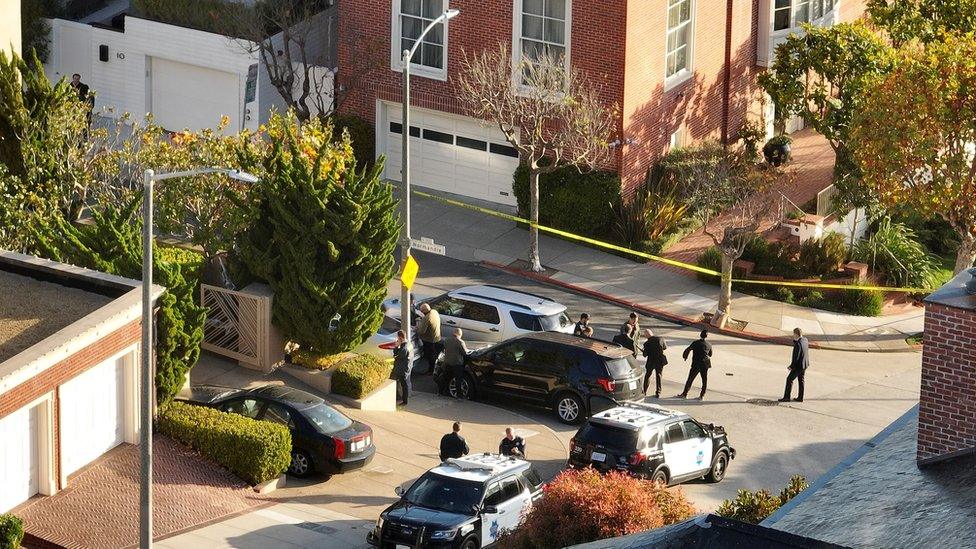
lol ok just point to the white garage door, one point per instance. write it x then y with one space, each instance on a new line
92 418
18 458
191 97
451 153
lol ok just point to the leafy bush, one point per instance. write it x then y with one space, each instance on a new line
590 197
361 134
581 506
254 450
316 361
681 167
776 258
822 256
755 507
932 231
647 217
360 376
860 302
894 252
11 531
710 259
214 16
190 261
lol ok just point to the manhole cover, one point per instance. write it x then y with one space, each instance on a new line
762 402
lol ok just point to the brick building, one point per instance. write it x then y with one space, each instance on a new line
680 71
69 355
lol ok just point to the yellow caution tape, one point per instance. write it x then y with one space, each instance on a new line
659 259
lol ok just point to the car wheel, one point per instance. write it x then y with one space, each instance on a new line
465 391
470 543
301 464
718 467
569 408
660 478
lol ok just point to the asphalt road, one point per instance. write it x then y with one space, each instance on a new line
850 396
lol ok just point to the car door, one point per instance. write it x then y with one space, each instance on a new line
544 367
509 500
699 446
675 450
481 322
282 415
449 309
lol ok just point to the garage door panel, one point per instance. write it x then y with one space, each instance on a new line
91 414
18 458
189 96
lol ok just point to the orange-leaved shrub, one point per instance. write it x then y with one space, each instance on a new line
580 506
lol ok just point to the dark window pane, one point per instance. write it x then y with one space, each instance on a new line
414 131
410 6
430 55
533 6
503 150
396 127
480 312
469 143
436 35
433 8
556 8
532 27
674 433
693 430
526 322
781 20
440 137
412 27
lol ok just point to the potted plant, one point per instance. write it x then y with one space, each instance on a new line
777 150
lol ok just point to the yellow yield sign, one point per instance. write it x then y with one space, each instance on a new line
409 274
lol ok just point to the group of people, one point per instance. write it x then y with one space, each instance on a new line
453 444
428 326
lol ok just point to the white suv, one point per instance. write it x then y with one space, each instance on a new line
463 503
491 313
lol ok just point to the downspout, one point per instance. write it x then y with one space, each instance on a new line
727 84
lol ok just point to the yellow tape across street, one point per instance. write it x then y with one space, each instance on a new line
659 259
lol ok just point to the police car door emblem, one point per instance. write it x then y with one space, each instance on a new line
493 530
701 456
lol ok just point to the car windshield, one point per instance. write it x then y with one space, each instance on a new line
445 493
326 418
609 437
553 323
619 367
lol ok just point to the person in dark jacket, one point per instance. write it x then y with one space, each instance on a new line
631 331
798 366
653 350
701 360
455 353
582 325
453 444
512 444
402 352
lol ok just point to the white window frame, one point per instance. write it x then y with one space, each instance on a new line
396 54
689 70
517 39
829 6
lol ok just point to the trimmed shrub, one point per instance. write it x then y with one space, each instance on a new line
11 531
860 302
254 450
360 376
190 261
681 166
822 256
590 198
315 361
362 136
581 506
710 259
755 507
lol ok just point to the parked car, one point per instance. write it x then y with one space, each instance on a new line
462 503
323 439
666 446
381 343
552 369
491 313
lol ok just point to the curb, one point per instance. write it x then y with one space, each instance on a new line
671 317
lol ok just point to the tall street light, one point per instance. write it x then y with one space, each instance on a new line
145 417
405 168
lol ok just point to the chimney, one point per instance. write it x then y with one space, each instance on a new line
947 401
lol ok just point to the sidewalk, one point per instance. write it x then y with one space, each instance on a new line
472 236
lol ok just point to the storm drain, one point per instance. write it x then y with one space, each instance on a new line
762 402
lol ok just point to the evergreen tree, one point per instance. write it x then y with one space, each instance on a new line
322 237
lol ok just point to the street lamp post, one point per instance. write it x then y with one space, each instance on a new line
145 412
405 169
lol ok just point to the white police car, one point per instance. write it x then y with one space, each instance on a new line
664 445
462 503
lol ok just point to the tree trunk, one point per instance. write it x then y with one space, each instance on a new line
966 254
534 217
724 312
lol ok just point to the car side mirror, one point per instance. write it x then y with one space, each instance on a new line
489 510
399 491
711 426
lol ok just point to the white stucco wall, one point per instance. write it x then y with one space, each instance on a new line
10 25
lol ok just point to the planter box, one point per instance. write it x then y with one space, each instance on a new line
383 399
318 379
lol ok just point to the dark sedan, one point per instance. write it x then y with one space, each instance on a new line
323 439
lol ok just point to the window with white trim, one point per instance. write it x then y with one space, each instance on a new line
793 13
678 57
801 12
543 29
816 9
413 17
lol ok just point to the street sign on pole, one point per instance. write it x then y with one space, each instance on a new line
427 245
409 274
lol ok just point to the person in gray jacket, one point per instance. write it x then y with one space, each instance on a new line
429 331
798 365
455 351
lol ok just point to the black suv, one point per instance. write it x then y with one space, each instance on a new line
553 369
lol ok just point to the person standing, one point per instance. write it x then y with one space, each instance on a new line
455 353
582 325
402 352
798 366
653 350
512 445
453 444
701 361
429 330
631 330
84 94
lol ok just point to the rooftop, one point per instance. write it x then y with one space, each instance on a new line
478 467
954 294
883 499
635 415
520 300
31 310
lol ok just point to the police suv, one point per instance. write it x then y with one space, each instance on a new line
666 446
462 503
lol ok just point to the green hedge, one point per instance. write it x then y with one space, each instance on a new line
710 259
254 450
571 201
11 532
361 134
360 376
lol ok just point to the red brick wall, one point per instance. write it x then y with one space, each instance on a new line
947 402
